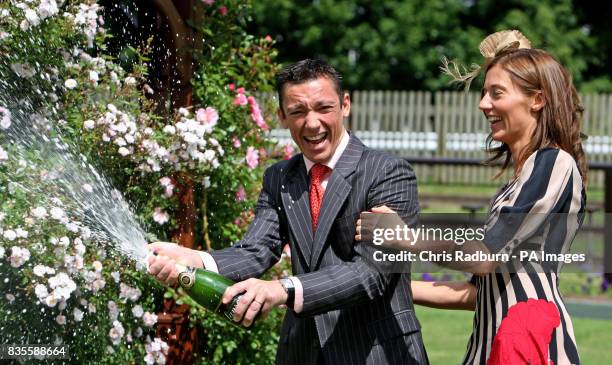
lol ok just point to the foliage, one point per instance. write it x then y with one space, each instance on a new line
398 44
56 72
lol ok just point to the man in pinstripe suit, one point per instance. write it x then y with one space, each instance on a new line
342 310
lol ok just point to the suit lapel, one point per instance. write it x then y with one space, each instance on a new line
336 192
294 192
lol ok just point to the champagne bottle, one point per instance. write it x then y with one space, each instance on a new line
207 288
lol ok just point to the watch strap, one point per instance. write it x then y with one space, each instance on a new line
290 290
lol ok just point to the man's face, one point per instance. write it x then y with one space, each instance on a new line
313 113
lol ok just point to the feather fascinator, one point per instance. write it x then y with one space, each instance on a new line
492 46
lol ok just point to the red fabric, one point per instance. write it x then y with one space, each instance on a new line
317 173
524 335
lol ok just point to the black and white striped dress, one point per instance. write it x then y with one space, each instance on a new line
549 182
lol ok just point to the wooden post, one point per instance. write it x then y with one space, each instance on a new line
607 266
175 83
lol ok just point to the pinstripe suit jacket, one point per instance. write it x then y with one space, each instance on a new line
352 312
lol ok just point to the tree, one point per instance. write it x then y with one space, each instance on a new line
595 17
68 107
399 44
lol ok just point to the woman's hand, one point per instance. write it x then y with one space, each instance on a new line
386 218
367 221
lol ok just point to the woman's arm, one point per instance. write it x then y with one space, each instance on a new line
373 229
444 294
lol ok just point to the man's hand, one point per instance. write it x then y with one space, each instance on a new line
260 296
162 265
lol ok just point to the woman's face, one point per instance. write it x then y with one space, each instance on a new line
511 113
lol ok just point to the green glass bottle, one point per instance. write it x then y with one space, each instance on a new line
207 288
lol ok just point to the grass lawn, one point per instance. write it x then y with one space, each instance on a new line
446 333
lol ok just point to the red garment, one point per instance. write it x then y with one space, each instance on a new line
317 173
524 335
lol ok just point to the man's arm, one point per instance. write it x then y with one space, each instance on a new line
259 249
261 246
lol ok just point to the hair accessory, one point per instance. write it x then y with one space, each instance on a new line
492 46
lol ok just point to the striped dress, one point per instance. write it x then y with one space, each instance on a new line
549 182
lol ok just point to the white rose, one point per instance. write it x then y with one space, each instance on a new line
57 213
51 301
19 256
40 212
5 121
41 270
169 129
97 265
93 76
70 83
149 319
21 233
137 311
41 291
61 319
32 17
77 314
130 81
10 235
3 155
123 151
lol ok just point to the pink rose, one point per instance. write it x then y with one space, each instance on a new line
256 114
208 116
240 99
252 157
236 142
160 216
288 151
223 10
241 194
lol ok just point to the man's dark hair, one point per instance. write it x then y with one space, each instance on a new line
307 70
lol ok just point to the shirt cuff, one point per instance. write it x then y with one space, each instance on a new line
298 304
208 261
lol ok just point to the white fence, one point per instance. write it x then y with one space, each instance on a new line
449 124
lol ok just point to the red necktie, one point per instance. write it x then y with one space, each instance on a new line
317 173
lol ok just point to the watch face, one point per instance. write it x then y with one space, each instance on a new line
287 283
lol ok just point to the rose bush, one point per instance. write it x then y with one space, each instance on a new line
60 282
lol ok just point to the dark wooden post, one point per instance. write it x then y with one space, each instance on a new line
174 83
608 225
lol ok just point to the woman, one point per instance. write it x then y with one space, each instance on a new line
534 113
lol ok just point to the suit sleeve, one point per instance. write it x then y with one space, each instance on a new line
357 281
261 247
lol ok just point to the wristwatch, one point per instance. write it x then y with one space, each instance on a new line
290 290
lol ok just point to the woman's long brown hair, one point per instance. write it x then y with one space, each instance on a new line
558 122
